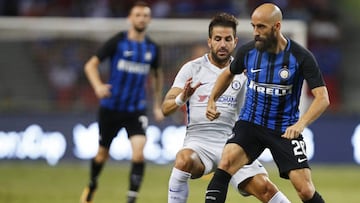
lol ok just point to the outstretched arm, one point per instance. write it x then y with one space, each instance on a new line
222 83
317 107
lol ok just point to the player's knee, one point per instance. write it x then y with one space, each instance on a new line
102 155
184 163
306 192
138 157
225 164
261 187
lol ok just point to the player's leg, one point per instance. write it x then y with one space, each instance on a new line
253 180
187 165
96 167
107 131
135 125
301 179
290 157
233 158
137 166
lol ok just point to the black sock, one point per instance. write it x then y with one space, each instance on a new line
136 176
315 199
95 169
218 187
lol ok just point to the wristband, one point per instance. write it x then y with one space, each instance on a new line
179 101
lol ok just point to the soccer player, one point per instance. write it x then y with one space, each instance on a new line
204 140
276 67
133 55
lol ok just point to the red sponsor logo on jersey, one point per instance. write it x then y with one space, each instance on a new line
202 98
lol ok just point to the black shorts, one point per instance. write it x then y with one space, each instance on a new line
110 123
254 139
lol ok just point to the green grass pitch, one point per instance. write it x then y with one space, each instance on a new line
36 182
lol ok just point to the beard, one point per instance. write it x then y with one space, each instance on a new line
267 43
219 60
140 29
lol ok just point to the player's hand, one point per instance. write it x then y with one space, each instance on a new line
211 112
189 89
293 131
103 91
158 114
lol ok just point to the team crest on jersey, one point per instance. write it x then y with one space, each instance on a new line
148 56
284 73
236 85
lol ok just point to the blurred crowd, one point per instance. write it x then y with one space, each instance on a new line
321 16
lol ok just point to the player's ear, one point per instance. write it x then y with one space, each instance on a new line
209 42
277 25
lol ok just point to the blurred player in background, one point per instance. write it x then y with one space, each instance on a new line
276 68
204 139
132 56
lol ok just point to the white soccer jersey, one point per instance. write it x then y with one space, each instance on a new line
207 138
229 104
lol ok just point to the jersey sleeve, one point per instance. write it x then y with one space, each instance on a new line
183 74
311 71
238 65
109 47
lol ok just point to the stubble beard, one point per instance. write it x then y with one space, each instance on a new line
219 60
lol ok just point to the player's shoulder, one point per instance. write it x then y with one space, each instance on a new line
299 50
247 46
120 35
199 61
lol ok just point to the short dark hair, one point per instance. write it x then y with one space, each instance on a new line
223 19
138 3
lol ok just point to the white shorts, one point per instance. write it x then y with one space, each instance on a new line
209 149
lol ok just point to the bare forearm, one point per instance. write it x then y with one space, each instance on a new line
169 106
158 88
317 107
92 72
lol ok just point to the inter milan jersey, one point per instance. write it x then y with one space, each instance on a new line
275 82
130 63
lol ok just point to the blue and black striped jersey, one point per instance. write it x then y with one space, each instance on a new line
130 63
275 82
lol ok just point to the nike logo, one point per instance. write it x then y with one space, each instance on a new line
255 70
171 190
128 53
301 160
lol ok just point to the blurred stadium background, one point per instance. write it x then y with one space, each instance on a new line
48 109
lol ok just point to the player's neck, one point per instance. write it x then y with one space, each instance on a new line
135 35
219 64
281 45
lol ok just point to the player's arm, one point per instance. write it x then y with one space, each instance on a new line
177 97
221 84
157 87
169 105
91 69
317 107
